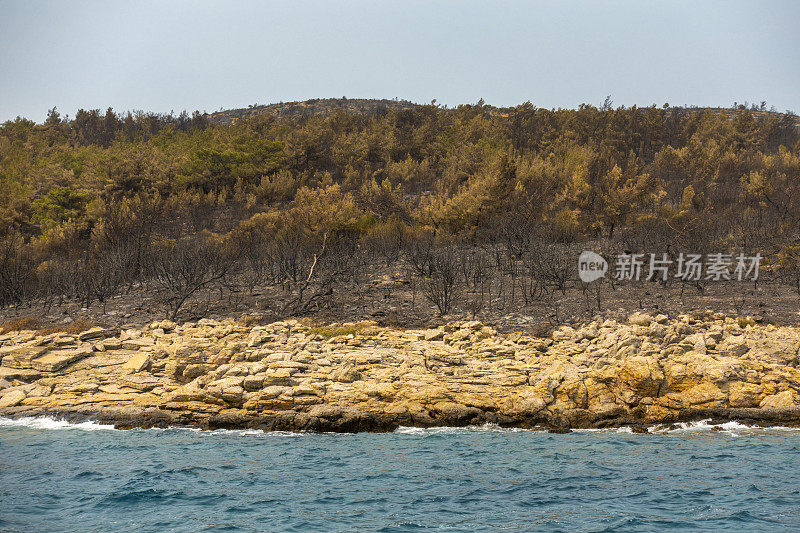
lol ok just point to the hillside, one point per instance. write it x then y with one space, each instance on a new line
314 107
366 106
404 213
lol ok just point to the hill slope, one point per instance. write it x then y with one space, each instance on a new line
328 106
315 106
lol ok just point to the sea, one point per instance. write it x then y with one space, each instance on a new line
58 476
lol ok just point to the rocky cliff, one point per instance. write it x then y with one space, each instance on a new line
359 377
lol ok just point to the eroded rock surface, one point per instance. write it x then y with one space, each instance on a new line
286 376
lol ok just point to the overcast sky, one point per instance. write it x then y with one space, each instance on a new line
174 55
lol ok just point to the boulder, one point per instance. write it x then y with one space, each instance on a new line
22 374
781 399
640 319
733 347
21 356
12 398
64 340
137 363
138 343
58 359
346 374
744 394
98 333
705 395
433 335
112 343
641 376
253 383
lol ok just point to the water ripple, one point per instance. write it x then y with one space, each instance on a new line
693 477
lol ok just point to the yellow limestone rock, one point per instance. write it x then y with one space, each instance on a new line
705 395
20 356
137 363
596 375
58 359
12 398
744 394
782 399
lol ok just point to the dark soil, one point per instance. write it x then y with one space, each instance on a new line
388 298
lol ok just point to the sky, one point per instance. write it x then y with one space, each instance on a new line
164 56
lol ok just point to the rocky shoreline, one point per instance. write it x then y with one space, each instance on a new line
289 375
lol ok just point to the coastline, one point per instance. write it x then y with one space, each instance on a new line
291 376
133 418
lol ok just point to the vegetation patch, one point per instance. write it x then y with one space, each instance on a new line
478 210
73 328
21 324
336 330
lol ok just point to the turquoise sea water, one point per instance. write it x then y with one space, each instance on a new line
60 477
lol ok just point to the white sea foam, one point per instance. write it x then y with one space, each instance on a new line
706 425
228 432
734 429
46 422
729 428
408 430
622 429
697 427
236 432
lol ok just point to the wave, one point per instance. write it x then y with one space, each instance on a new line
699 426
730 428
444 430
621 429
249 433
46 422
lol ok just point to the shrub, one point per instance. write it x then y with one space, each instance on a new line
339 330
20 324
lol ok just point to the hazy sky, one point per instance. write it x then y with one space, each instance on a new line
172 55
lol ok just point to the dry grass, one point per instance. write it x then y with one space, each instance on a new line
745 321
30 323
20 324
73 328
335 330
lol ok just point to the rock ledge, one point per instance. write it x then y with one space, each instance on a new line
289 376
